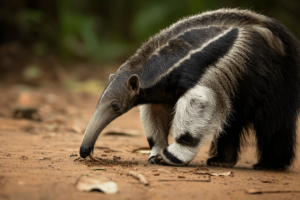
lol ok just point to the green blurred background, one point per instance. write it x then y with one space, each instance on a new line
104 31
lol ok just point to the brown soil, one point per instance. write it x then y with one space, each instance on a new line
36 161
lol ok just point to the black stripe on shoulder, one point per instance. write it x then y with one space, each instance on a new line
176 49
171 157
190 71
188 140
151 142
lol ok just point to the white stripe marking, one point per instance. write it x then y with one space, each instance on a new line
188 57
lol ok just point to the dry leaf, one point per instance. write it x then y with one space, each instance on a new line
222 174
142 150
88 184
138 176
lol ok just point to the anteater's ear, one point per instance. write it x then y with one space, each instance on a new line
134 83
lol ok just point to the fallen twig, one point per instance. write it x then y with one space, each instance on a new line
202 173
98 168
230 173
254 191
138 176
189 180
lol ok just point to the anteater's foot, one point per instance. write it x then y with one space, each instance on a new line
215 161
171 156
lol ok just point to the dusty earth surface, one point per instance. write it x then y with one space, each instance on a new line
35 160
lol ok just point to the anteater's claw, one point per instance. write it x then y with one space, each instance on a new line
152 160
157 160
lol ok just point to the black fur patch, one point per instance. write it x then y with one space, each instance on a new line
197 37
151 142
188 140
177 49
171 157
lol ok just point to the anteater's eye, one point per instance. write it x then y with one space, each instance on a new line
115 105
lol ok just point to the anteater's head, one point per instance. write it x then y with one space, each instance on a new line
120 95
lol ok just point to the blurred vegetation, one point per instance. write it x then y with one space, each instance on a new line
109 30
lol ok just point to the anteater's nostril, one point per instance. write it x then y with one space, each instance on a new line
85 151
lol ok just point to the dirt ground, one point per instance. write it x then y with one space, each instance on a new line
35 160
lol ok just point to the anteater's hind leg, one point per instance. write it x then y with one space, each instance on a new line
156 120
226 147
276 140
195 120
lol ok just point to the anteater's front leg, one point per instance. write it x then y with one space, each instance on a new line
195 121
156 120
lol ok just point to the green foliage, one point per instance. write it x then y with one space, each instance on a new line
105 31
153 16
32 72
89 86
79 35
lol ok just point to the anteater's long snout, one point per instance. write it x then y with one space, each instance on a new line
100 119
